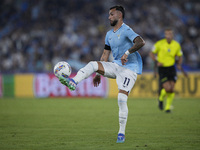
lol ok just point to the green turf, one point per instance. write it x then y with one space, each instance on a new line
92 124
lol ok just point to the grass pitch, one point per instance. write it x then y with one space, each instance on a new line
92 124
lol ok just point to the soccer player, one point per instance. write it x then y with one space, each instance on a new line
166 52
124 44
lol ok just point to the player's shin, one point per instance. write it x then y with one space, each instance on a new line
170 98
162 94
86 71
123 112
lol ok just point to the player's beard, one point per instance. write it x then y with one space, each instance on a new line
113 23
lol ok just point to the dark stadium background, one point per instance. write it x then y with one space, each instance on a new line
36 34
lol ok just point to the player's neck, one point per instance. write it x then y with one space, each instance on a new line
169 41
117 26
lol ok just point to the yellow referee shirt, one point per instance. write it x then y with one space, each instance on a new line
166 52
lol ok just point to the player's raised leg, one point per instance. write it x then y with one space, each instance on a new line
82 74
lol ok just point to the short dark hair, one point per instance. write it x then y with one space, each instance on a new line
119 8
168 29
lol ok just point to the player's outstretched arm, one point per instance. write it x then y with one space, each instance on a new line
179 66
153 57
104 57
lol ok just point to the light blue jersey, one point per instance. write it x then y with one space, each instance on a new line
119 42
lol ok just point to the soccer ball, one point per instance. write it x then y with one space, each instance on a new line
62 69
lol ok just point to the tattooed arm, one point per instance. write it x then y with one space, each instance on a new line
105 55
138 43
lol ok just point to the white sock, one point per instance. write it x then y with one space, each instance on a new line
86 71
123 112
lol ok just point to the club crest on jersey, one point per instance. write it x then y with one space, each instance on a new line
118 36
168 50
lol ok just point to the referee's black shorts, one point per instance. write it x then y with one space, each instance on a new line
167 74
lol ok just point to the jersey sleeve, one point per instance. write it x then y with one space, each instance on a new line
106 40
107 45
131 34
179 51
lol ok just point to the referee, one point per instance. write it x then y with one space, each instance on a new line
166 52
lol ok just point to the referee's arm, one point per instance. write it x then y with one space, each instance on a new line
153 56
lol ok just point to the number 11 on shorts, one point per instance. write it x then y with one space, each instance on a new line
126 81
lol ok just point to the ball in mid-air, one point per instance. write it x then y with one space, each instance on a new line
62 69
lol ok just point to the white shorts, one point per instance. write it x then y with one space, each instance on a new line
125 77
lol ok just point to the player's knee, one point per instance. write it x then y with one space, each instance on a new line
169 89
122 97
94 65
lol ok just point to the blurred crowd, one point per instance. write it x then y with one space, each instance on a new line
35 34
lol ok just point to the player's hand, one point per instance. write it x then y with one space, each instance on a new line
62 80
179 66
97 80
155 74
185 74
124 59
182 70
159 64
